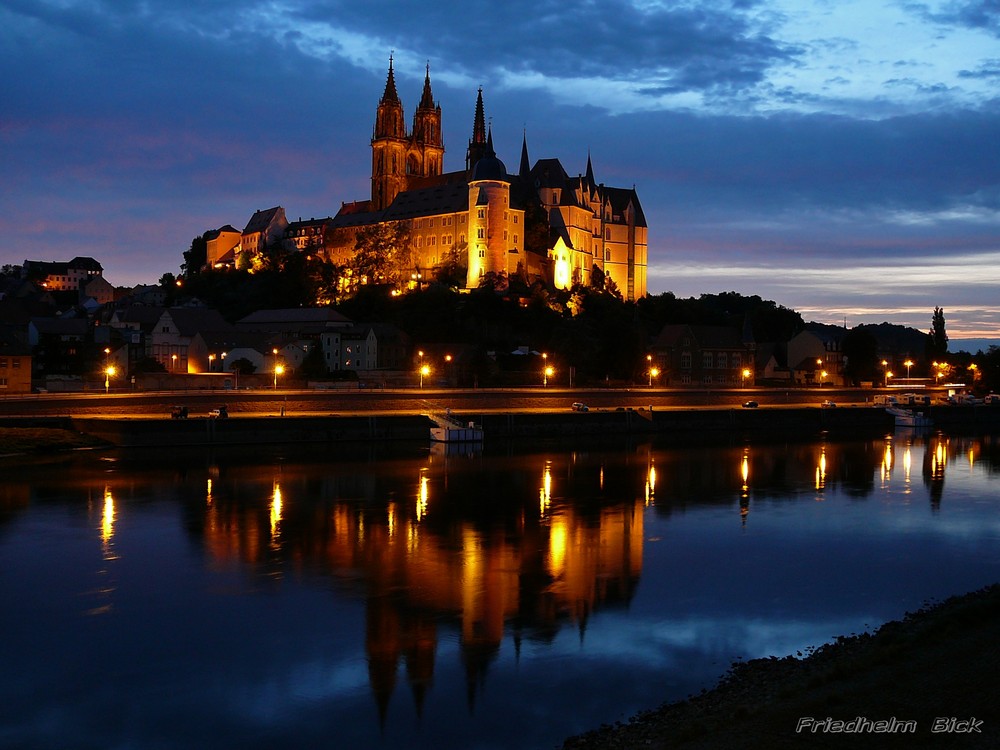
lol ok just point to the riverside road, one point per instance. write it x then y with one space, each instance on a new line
361 401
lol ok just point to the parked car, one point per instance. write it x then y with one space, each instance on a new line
750 405
221 413
577 406
828 404
179 412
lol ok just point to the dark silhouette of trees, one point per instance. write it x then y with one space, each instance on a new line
860 348
937 338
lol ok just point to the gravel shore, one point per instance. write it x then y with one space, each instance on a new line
936 669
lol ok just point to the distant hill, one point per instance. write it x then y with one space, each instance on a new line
902 341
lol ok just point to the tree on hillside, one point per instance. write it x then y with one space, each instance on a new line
937 338
382 254
195 257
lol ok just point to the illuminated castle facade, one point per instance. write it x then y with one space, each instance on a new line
540 223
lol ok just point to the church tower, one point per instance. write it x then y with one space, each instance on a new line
426 155
389 145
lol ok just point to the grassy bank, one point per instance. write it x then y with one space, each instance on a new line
16 440
936 665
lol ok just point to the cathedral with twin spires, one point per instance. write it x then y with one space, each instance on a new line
540 222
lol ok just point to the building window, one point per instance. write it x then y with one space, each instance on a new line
722 361
515 239
3 382
607 233
706 360
505 235
420 241
607 255
16 364
3 362
481 213
480 233
482 253
515 218
686 361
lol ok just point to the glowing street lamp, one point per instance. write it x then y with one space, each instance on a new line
545 369
211 359
424 371
278 370
173 362
108 372
654 372
909 364
885 370
547 373
746 374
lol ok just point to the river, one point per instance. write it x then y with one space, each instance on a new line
397 596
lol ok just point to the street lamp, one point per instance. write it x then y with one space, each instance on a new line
545 369
424 371
746 374
173 362
885 370
547 373
211 359
888 374
108 372
909 364
654 372
278 370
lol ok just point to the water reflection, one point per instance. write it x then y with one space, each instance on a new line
446 558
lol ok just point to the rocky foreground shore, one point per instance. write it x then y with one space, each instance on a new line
931 680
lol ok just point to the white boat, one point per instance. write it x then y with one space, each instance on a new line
908 418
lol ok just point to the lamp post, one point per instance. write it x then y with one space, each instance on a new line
108 372
654 372
173 362
545 369
278 370
885 370
909 364
211 359
424 370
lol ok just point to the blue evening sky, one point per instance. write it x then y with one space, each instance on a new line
841 157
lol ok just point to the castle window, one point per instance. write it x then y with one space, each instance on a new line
480 233
607 255
432 240
430 222
607 233
481 213
461 238
482 253
505 235
505 216
420 241
515 218
515 239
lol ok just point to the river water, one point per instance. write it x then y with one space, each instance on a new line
399 597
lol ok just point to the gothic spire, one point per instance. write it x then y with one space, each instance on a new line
591 182
427 100
525 167
479 126
390 95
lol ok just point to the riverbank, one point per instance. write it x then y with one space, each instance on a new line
934 666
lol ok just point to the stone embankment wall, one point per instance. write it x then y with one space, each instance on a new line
806 422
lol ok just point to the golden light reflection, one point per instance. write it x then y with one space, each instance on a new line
558 544
907 463
821 470
650 484
391 520
275 512
745 471
208 492
423 494
107 521
601 481
545 493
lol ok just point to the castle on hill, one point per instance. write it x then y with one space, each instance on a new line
540 222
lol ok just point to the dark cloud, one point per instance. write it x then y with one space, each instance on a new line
973 14
686 47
